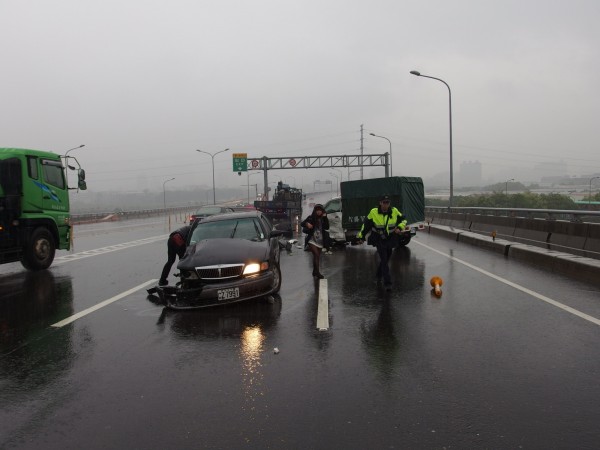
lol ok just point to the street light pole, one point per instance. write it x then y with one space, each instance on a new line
74 148
351 172
383 137
164 193
512 179
212 156
165 200
340 180
418 74
590 197
337 183
248 182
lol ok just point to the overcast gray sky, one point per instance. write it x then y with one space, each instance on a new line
144 83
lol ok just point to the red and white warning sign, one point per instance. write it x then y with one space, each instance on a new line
292 162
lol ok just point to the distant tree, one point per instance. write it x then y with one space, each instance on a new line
526 200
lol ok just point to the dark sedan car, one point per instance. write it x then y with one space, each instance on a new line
206 211
230 258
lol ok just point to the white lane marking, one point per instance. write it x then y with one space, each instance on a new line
93 230
323 307
111 248
518 287
96 307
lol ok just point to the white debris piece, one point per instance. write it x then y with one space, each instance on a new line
275 350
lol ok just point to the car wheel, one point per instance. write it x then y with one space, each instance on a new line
276 279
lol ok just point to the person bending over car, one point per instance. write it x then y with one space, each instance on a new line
175 247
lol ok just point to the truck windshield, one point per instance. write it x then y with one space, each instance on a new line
53 173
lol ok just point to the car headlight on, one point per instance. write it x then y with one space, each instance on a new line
255 268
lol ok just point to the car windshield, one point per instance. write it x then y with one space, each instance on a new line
232 228
208 210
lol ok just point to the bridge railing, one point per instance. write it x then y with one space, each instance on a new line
548 214
571 231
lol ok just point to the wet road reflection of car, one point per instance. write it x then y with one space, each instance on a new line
229 258
234 320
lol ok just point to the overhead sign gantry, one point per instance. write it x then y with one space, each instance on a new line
313 162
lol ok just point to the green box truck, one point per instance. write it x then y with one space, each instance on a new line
347 213
34 206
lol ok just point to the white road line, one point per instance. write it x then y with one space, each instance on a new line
111 248
518 287
323 307
77 225
91 309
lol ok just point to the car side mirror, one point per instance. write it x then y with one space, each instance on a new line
276 233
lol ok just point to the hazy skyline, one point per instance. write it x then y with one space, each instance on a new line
144 84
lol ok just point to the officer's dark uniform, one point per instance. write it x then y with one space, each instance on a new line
175 247
383 226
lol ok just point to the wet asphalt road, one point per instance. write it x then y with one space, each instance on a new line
487 365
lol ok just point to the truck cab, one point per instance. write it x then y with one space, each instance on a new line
34 206
333 208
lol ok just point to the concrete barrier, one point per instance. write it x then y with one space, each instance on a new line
478 240
567 264
503 226
580 238
573 266
531 230
592 242
563 235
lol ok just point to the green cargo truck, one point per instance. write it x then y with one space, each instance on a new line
347 213
34 206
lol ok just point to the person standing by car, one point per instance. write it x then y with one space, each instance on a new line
315 226
175 247
385 224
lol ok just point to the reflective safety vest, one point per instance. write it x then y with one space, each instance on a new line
382 223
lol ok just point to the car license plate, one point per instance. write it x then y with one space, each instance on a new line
228 294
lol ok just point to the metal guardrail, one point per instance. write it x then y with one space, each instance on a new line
124 215
548 214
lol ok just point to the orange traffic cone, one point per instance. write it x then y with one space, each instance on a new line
436 282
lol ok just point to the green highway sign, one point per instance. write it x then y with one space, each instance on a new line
240 162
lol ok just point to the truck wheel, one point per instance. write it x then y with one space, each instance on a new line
39 250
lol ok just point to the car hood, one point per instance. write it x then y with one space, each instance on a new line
210 252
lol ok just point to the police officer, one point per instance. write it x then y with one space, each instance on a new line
385 223
175 247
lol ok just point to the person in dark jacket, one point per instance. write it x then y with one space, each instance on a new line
175 247
384 223
315 226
